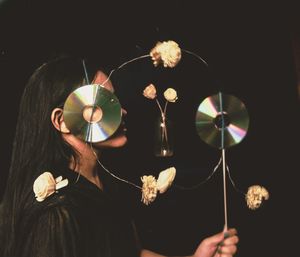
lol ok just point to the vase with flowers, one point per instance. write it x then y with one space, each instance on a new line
164 131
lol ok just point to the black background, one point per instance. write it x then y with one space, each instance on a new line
248 48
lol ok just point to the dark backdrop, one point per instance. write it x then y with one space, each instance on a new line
249 54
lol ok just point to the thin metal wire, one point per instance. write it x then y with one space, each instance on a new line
222 119
89 131
204 181
85 72
113 175
196 55
123 64
88 82
110 74
232 182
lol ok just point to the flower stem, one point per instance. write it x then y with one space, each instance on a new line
162 113
164 121
164 135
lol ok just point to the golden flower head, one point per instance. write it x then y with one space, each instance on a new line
171 95
149 189
168 53
150 91
45 185
255 195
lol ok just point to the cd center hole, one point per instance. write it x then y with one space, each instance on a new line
218 120
92 114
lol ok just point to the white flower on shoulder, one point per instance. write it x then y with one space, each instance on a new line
171 95
149 189
150 91
255 195
151 186
45 185
165 179
168 53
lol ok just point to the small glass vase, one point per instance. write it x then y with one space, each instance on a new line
163 137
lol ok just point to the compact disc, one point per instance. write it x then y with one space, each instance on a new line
92 113
222 120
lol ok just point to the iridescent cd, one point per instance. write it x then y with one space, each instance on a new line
222 120
92 113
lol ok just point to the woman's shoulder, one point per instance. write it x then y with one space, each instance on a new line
67 191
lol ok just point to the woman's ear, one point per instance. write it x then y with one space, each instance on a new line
58 120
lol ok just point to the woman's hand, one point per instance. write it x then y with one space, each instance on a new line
220 245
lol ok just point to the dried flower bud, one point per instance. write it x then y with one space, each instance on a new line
150 91
45 185
255 195
149 189
167 52
171 95
165 179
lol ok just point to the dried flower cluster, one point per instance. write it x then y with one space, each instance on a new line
255 195
45 185
168 53
151 186
149 189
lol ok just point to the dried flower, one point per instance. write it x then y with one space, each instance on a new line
165 179
255 195
167 52
150 91
151 186
149 189
171 95
45 185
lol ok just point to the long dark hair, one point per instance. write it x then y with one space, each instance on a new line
38 146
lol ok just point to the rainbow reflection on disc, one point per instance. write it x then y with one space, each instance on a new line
222 120
92 113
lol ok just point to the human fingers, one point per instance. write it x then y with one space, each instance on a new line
227 249
221 237
214 240
230 232
230 240
223 255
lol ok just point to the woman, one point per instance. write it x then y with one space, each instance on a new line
82 218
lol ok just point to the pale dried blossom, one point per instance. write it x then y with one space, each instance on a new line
171 95
165 179
149 189
167 52
150 91
255 195
151 186
45 185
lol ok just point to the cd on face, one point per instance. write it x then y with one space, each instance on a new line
222 120
92 113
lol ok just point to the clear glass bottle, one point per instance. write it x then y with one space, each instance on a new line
163 144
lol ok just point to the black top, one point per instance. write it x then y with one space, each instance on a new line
78 221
